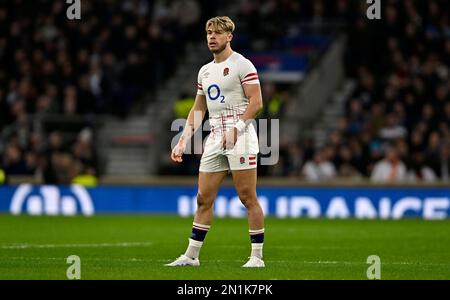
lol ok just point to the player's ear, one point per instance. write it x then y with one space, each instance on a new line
230 36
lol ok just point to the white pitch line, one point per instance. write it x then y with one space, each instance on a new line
286 247
333 262
45 246
319 262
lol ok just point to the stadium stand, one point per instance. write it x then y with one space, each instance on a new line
131 61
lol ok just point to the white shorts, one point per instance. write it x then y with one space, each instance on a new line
242 156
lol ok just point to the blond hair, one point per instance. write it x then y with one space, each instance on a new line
222 23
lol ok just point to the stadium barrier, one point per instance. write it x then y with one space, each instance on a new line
360 202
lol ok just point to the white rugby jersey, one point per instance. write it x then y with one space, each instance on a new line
221 83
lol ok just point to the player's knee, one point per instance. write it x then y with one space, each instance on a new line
203 202
248 199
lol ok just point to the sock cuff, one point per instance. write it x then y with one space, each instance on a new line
195 243
201 226
257 231
257 246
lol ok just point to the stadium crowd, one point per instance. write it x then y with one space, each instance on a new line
396 125
102 64
397 122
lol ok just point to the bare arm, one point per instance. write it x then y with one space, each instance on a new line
193 122
194 119
253 94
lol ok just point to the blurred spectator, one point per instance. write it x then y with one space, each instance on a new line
296 160
84 151
355 117
319 168
444 163
14 162
52 156
3 178
418 170
84 176
377 118
273 101
346 166
183 105
390 169
188 13
393 129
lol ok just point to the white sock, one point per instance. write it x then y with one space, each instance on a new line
193 250
257 250
257 240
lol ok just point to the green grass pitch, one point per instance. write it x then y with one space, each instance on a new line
136 247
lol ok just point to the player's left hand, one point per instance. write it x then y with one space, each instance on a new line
229 139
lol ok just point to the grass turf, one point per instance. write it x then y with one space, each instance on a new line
136 247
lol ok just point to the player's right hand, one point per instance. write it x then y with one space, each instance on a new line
177 152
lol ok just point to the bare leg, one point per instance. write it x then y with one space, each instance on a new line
208 186
245 183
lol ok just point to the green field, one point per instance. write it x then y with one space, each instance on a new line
136 247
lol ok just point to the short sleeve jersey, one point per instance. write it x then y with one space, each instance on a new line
221 83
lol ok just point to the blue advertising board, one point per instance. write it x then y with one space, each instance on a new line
281 202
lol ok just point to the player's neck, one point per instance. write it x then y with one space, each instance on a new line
223 56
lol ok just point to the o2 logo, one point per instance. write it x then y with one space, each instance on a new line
216 90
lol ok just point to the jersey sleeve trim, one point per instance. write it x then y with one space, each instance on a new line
200 89
251 74
252 79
